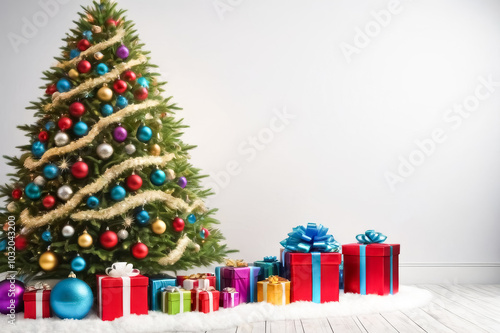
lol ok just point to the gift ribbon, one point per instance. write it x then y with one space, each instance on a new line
371 237
124 272
39 288
218 278
235 263
172 289
231 291
316 277
251 297
362 270
313 238
270 259
210 299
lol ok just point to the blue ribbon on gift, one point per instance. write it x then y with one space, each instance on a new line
270 259
371 237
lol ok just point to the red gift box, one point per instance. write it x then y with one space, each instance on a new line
37 304
375 272
121 296
195 277
314 276
205 301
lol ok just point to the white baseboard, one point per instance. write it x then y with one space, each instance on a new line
449 273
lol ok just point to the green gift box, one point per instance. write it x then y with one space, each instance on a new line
268 267
175 300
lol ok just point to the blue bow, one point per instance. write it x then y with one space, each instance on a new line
270 259
370 237
310 239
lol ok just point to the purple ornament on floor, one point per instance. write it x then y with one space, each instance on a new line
122 52
10 292
182 182
120 134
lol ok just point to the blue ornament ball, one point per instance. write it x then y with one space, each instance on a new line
38 149
121 102
142 218
118 193
3 244
32 191
102 69
47 236
80 128
87 34
143 82
50 171
50 125
63 85
92 202
78 264
107 110
74 53
158 177
144 133
191 218
71 299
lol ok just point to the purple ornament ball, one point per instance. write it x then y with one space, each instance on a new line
182 182
120 134
11 296
122 52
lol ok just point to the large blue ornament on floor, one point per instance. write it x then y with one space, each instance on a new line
158 177
142 218
71 299
38 149
144 133
32 191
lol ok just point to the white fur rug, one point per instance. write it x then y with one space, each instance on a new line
350 304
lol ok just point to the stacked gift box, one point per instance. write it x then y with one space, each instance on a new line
311 269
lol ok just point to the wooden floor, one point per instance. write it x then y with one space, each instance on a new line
455 308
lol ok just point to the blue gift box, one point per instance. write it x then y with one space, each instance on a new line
156 283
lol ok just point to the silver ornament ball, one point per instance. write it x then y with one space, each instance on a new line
122 234
40 181
64 192
68 231
61 139
130 149
104 151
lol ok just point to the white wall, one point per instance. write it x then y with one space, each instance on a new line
352 120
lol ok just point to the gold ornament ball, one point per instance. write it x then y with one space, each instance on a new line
89 18
85 240
48 261
155 150
73 74
98 56
105 94
158 227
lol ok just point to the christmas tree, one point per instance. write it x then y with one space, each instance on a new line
105 177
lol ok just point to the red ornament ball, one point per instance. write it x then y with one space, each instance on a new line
43 136
49 201
134 182
129 76
83 45
120 86
65 123
178 224
51 89
20 242
204 233
110 22
80 170
108 239
84 66
139 250
141 94
77 109
17 193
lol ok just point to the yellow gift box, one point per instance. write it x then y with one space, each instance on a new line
274 290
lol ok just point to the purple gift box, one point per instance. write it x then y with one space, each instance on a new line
230 298
243 279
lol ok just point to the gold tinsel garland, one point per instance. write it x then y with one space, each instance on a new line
176 253
31 164
136 201
120 33
91 84
108 176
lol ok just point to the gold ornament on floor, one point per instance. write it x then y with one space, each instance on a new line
158 227
98 56
105 94
85 240
73 74
48 261
155 150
